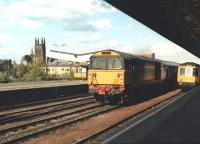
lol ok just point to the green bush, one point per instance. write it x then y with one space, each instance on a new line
18 72
35 73
4 77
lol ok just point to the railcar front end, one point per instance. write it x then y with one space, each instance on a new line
188 75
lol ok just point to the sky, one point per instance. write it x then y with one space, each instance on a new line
82 26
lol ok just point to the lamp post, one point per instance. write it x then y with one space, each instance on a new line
58 46
70 71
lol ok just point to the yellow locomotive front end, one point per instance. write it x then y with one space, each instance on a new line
106 76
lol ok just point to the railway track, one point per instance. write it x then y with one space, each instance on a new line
160 105
50 117
42 106
13 117
42 120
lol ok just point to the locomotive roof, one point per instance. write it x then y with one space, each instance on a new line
190 63
143 58
168 63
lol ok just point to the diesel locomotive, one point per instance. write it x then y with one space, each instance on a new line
112 74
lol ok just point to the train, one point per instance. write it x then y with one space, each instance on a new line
80 73
188 75
112 74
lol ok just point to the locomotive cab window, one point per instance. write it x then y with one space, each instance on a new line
114 63
98 63
106 63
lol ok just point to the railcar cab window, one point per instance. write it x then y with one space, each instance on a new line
182 71
106 63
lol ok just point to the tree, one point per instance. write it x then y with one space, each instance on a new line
4 77
35 73
27 59
19 71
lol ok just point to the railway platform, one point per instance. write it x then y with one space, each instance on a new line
177 122
23 92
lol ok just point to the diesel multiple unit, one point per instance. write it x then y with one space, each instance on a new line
188 74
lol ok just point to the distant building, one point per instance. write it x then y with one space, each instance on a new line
5 65
39 56
147 54
66 69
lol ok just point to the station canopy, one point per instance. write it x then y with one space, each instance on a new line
177 20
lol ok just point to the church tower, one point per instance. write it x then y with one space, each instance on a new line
40 51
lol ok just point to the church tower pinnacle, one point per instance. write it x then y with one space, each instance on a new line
40 51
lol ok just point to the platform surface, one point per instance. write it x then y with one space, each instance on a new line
179 122
41 84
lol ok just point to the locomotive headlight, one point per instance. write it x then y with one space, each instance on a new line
119 75
89 75
94 74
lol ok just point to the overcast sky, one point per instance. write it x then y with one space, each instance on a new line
83 25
